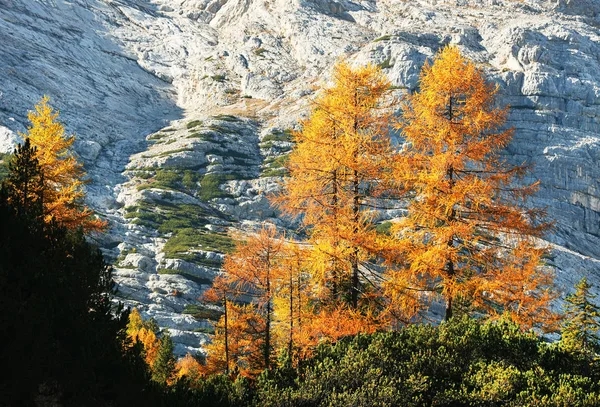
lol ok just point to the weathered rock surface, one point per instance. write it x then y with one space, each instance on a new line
228 77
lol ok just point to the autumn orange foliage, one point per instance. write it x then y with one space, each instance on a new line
332 323
189 368
140 331
335 169
243 353
250 275
468 232
467 239
63 174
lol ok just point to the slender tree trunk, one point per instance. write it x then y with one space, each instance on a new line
267 351
450 264
334 201
356 213
299 302
226 338
334 209
291 341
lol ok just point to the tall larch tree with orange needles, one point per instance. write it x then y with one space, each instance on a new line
467 232
245 344
291 296
335 169
63 174
250 275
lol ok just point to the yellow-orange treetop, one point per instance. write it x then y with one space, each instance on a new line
63 174
335 168
467 233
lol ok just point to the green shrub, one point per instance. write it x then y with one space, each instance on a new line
202 136
278 135
384 228
259 51
227 118
386 64
189 276
200 311
275 166
460 363
185 240
194 123
383 38
210 186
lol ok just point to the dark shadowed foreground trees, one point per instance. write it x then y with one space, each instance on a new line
60 340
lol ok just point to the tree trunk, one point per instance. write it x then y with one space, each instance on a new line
267 351
291 341
226 338
356 213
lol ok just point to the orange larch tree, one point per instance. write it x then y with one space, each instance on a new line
467 232
243 352
63 174
291 296
335 169
250 275
144 332
332 323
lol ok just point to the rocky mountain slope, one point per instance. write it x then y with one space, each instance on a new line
182 109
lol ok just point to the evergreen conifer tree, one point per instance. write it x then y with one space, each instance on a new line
582 320
25 181
163 369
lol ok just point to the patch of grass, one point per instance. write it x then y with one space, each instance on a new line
277 147
163 178
275 166
179 150
386 64
194 123
189 239
203 137
200 311
218 78
220 129
266 145
210 186
168 217
259 51
167 179
189 276
231 91
190 180
247 97
384 228
270 172
383 38
168 129
283 136
143 174
226 118
155 136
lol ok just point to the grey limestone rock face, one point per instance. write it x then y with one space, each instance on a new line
182 111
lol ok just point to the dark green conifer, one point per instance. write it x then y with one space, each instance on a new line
580 330
25 182
164 366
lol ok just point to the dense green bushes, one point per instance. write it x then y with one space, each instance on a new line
461 363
